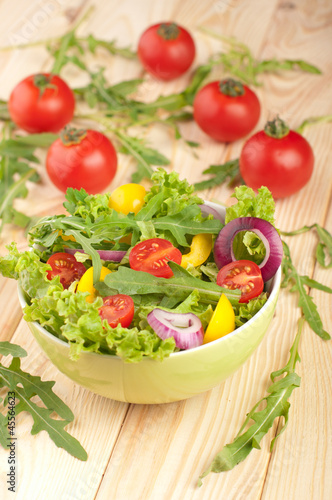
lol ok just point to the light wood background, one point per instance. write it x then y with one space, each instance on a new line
158 452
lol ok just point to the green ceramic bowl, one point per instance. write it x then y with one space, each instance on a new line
180 376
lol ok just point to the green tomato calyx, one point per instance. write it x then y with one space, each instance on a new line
71 135
43 81
168 31
231 87
276 128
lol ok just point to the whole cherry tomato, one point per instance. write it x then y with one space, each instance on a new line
127 198
226 110
65 266
117 309
152 256
166 50
244 275
41 103
278 158
82 159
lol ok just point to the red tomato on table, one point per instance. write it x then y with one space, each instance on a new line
117 309
152 256
41 103
226 110
82 159
244 275
65 266
166 50
278 158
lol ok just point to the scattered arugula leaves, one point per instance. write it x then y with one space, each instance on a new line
25 387
276 406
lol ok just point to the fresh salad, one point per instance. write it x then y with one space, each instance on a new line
139 273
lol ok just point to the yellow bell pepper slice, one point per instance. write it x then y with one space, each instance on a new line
222 321
86 283
200 250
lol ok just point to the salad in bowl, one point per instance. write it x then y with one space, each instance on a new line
150 296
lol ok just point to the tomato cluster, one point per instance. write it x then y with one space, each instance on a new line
225 110
78 159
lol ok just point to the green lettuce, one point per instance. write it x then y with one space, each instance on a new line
70 317
27 268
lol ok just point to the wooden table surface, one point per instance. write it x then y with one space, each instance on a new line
157 452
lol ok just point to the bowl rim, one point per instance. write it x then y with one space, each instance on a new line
274 285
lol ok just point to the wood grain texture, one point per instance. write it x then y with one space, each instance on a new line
157 452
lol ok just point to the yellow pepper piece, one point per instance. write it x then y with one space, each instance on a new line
127 198
222 321
86 283
200 250
66 238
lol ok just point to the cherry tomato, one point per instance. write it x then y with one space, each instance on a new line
117 309
82 159
65 266
284 164
41 103
151 256
222 321
127 198
166 50
244 275
226 110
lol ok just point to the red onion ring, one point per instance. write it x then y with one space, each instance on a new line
186 329
223 247
207 209
109 255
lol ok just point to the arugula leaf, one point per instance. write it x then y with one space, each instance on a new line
14 350
180 286
277 405
227 171
306 303
26 386
324 247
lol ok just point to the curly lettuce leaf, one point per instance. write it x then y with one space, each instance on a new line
28 270
176 194
70 317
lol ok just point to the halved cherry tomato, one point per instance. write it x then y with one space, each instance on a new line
244 275
117 309
65 266
151 256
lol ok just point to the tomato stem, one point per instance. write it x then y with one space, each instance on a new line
168 31
231 87
71 135
276 128
43 81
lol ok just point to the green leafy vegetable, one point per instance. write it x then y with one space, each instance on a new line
179 287
221 173
79 323
306 302
276 405
17 161
25 387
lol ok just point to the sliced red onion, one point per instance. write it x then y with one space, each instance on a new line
186 328
217 213
223 247
110 255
